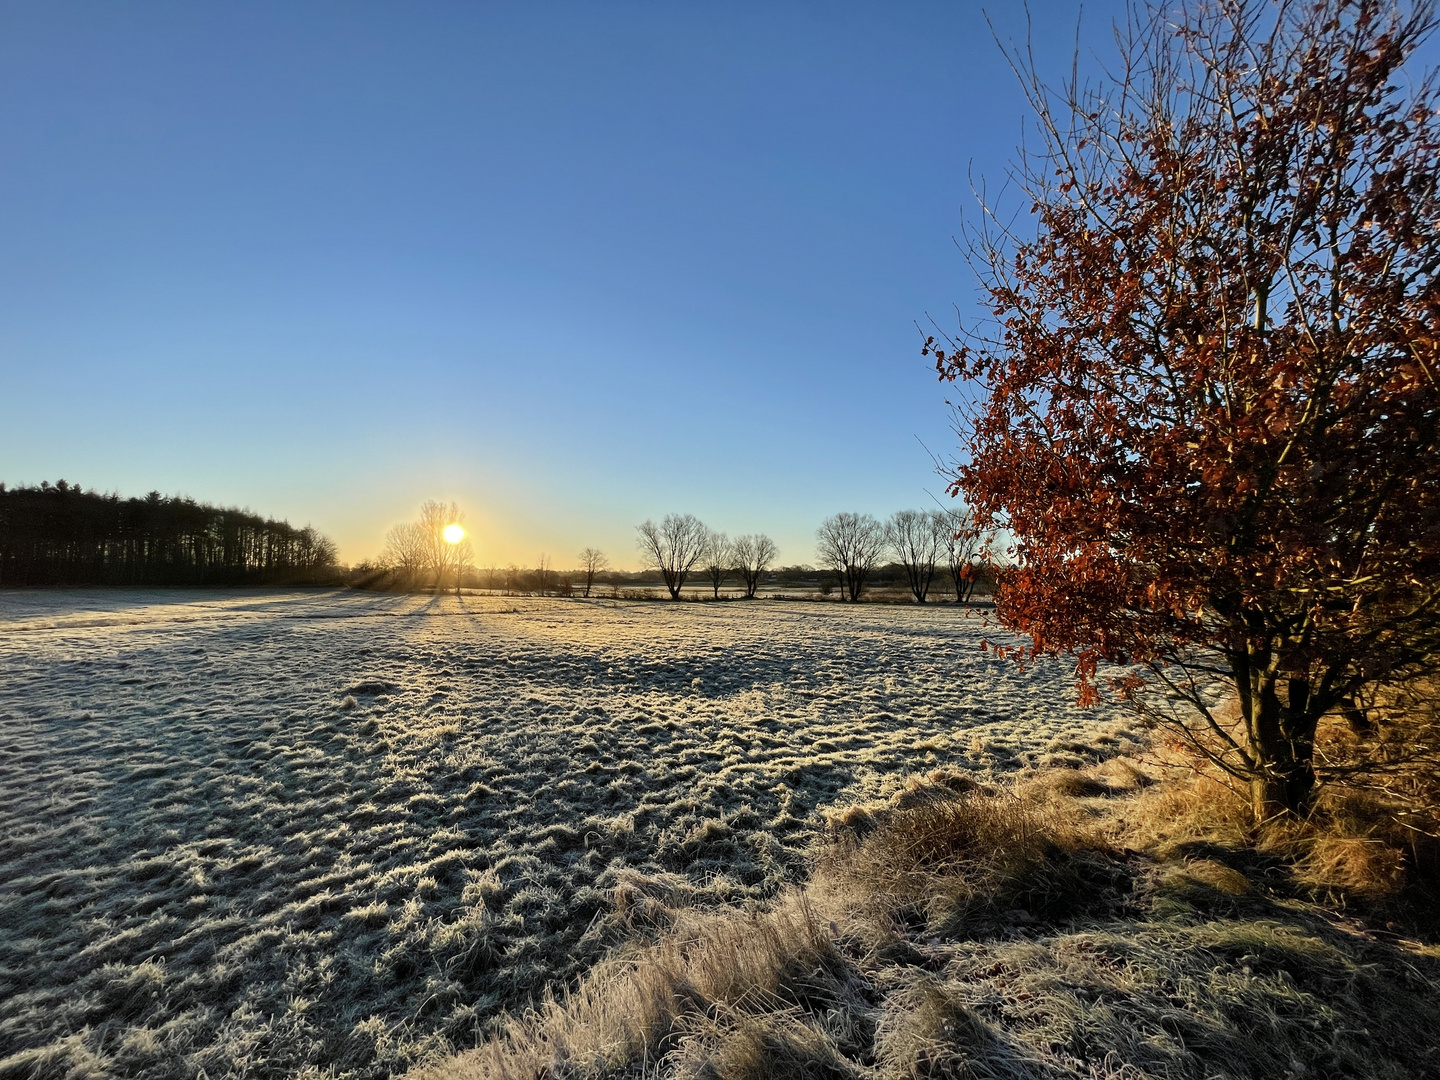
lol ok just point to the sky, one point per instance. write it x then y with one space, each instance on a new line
572 266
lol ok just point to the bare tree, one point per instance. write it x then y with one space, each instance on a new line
851 545
440 554
673 547
542 574
461 552
966 547
915 536
718 559
592 561
753 552
406 551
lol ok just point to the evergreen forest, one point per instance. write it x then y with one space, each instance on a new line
61 535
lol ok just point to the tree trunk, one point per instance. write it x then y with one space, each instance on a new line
1282 793
1284 745
1359 721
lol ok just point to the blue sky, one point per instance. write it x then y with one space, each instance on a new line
570 265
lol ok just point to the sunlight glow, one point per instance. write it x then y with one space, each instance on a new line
454 534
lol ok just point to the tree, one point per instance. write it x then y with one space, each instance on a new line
592 562
542 574
1209 403
851 545
915 537
442 555
406 550
753 552
673 547
718 559
967 548
461 552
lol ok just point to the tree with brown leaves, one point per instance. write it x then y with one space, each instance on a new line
1209 401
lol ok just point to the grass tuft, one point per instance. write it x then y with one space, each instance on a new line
686 994
948 861
928 1030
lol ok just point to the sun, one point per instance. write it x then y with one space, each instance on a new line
454 534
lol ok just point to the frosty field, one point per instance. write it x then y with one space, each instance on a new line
251 834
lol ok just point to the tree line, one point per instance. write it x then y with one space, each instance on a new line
682 545
921 542
920 548
63 535
851 547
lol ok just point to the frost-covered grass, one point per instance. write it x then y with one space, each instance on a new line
260 833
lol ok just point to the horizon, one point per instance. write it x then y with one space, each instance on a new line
569 267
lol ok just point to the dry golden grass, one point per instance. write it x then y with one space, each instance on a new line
743 1044
1087 923
946 859
1370 843
722 986
1357 850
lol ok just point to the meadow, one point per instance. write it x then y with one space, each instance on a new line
270 834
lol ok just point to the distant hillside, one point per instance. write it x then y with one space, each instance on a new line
61 535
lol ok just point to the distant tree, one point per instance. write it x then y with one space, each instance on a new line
753 552
592 562
542 574
967 548
407 551
673 547
718 559
461 553
441 556
851 545
915 537
1210 408
312 548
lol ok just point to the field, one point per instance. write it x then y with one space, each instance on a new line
255 834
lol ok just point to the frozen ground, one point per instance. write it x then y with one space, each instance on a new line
259 833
